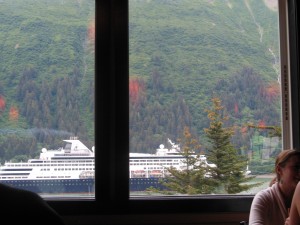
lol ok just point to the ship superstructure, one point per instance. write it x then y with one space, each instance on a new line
67 169
156 165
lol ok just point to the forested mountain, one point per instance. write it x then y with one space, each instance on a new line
182 53
46 74
185 52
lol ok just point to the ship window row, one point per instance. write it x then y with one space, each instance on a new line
50 164
152 168
61 164
19 165
40 177
157 160
151 160
73 161
29 169
64 169
12 177
15 174
163 164
68 168
68 164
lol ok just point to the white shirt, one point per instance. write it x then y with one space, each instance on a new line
268 207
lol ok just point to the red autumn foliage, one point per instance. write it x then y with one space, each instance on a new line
244 130
91 33
136 89
272 91
2 103
261 124
13 113
236 108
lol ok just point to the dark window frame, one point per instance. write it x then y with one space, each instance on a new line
112 126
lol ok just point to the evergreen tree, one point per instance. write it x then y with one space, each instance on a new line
230 168
191 179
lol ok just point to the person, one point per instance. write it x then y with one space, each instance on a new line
271 205
20 206
294 218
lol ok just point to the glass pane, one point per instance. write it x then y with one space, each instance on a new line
205 100
47 96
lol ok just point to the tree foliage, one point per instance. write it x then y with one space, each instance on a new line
191 179
230 168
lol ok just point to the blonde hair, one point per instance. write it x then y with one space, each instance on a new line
281 160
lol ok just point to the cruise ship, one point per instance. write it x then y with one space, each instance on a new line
70 169
147 169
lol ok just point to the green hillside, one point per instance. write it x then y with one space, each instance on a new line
184 52
46 74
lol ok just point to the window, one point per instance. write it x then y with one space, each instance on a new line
112 125
183 54
47 95
113 92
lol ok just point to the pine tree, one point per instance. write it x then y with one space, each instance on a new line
230 168
191 179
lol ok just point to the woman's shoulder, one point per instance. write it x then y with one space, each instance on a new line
266 194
